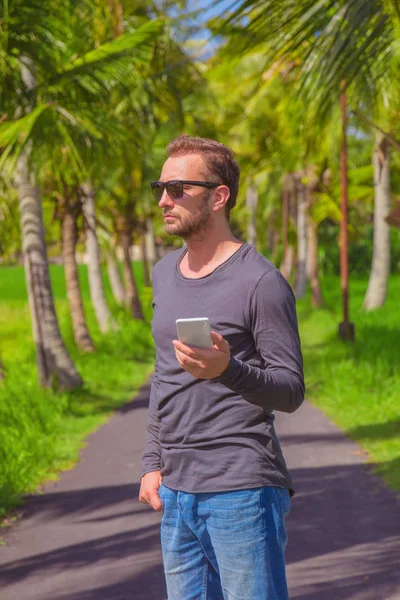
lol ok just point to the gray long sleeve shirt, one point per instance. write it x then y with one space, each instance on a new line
218 435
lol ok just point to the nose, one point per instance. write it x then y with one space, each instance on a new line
165 200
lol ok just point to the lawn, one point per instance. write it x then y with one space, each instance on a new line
357 384
42 430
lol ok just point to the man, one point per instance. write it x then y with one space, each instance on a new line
212 461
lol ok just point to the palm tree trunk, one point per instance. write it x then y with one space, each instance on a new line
69 232
146 272
378 281
55 366
150 243
132 296
288 210
301 267
97 293
251 203
288 262
116 12
316 295
54 362
114 277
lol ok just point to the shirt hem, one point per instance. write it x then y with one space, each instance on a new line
249 486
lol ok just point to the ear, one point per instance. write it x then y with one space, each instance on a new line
221 197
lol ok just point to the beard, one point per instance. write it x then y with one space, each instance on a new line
194 224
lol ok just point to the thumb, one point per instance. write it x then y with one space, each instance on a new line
220 342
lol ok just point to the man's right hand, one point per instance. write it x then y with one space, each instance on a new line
148 493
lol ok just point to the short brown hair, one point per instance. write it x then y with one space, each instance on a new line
219 159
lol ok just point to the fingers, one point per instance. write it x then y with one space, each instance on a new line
152 498
186 361
187 350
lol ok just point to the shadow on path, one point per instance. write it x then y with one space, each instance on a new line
88 537
344 526
80 502
109 548
139 587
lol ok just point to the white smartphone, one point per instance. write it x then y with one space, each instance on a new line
195 332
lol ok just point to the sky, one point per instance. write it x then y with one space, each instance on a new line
207 10
211 9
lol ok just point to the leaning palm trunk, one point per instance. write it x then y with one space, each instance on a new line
69 239
316 295
54 362
301 267
97 293
115 279
378 281
132 296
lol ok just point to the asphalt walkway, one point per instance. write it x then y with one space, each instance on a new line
88 538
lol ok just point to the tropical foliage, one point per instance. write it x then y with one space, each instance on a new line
91 92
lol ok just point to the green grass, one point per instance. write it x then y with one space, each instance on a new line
42 431
357 384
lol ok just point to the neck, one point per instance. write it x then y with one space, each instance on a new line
211 245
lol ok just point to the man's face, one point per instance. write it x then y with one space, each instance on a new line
191 214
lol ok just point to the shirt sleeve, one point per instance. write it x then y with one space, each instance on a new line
151 456
279 383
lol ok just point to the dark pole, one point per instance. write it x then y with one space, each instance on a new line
346 329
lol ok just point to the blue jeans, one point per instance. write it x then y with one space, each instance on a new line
225 545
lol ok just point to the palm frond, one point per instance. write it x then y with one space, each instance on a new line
141 40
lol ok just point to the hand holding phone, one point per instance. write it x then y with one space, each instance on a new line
195 332
194 337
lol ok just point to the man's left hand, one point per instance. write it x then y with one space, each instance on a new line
202 363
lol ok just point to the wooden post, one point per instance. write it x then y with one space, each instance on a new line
346 329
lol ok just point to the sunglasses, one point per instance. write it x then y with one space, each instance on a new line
175 188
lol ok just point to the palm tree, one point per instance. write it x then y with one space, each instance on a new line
341 47
115 279
300 285
53 359
288 200
37 80
69 210
316 184
124 227
378 281
97 292
145 260
150 242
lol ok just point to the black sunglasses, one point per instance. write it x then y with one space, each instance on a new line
175 188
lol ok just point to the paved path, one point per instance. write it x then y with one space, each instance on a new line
88 538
